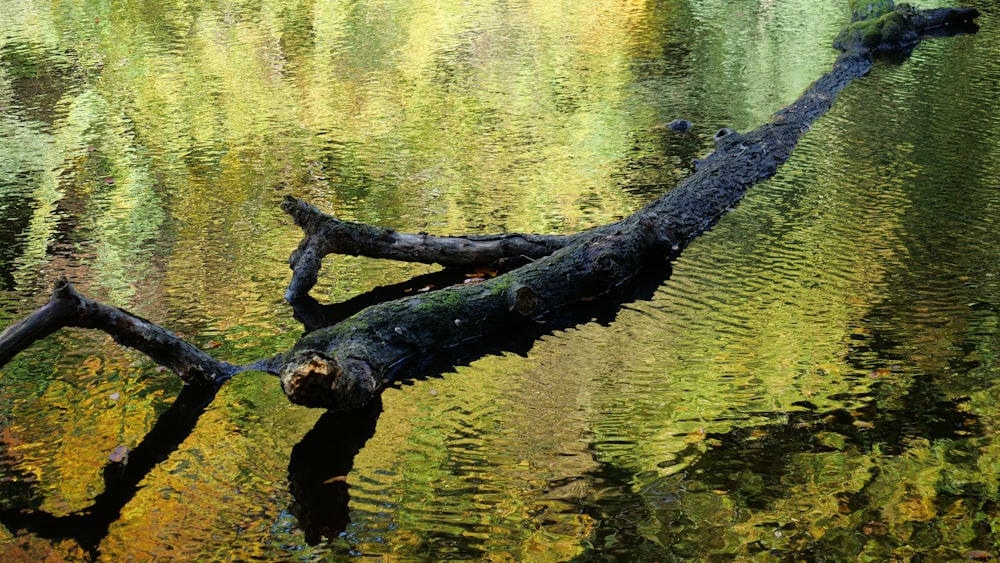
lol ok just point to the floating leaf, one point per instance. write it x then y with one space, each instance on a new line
875 528
119 454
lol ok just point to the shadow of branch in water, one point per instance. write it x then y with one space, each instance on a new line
318 468
121 479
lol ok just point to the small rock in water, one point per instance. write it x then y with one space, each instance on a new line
680 125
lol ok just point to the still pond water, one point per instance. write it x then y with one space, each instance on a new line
816 380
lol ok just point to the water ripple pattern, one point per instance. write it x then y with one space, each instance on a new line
815 380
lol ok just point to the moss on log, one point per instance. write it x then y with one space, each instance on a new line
885 27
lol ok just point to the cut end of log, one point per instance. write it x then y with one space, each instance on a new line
313 379
292 205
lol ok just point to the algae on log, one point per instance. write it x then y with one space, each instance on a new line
343 366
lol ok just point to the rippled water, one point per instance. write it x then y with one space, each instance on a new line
814 381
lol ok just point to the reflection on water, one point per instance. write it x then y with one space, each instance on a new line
815 380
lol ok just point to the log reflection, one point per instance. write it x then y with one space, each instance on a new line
318 468
89 526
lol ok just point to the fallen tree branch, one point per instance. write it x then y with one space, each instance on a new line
344 363
876 27
343 366
325 234
68 308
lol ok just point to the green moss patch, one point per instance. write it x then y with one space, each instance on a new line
885 32
868 10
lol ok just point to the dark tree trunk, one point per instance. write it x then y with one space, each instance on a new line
345 365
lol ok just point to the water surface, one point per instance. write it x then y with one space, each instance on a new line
815 380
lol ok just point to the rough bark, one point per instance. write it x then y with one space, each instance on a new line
880 26
343 366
